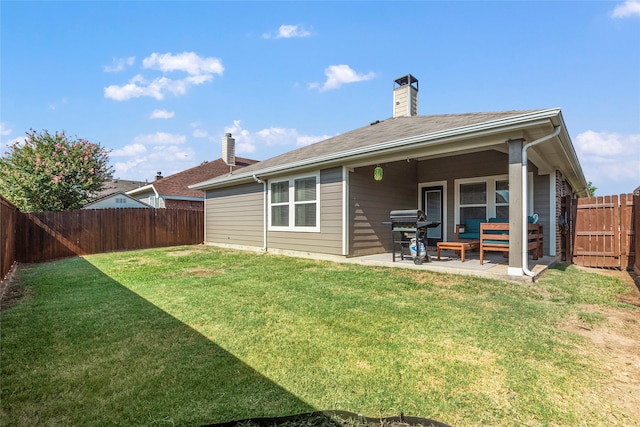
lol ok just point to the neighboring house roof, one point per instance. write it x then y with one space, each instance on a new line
118 185
395 136
176 186
115 200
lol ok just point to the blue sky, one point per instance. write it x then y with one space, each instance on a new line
159 83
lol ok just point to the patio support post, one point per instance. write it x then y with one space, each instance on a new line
516 200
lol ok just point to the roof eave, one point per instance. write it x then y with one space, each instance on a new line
143 189
481 129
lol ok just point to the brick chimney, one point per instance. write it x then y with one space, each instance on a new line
229 150
158 175
405 96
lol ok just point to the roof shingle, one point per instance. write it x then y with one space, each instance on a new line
178 183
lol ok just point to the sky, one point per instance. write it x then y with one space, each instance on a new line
159 83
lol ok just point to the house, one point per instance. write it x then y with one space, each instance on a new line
173 191
334 197
115 185
115 200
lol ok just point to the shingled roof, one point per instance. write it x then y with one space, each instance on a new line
177 185
376 134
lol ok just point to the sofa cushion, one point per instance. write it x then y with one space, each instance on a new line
472 225
495 242
469 236
499 220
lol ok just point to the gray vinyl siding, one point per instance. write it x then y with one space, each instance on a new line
542 206
329 239
234 215
370 203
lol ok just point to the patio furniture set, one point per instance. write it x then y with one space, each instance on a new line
409 229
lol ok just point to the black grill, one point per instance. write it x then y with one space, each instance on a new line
406 225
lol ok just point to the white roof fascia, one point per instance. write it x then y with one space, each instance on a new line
113 196
143 189
451 135
570 152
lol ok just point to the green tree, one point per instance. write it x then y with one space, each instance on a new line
592 189
52 172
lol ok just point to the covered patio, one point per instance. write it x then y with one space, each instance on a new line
495 265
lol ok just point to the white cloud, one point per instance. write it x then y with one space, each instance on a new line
287 32
162 114
129 150
151 153
629 8
200 133
127 170
337 75
160 138
4 129
200 70
604 144
282 136
244 139
248 142
610 157
119 64
157 88
188 62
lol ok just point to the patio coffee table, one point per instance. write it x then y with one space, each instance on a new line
459 246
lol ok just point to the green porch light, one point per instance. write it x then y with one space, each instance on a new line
377 173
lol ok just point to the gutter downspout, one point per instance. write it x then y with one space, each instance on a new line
264 211
525 221
265 220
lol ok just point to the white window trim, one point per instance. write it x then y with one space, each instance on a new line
490 181
443 225
292 203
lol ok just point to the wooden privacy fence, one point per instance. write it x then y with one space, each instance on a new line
44 236
8 218
604 231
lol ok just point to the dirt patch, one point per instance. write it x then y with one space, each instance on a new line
185 252
11 290
196 272
615 343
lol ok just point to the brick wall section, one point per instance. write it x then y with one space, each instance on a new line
560 193
184 204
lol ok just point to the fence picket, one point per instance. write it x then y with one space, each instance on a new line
49 235
603 233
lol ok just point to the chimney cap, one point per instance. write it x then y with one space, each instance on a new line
228 134
406 80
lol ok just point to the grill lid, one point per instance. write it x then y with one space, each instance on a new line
407 215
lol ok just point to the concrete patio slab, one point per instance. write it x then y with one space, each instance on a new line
495 265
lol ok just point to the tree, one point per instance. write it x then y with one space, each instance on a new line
592 189
52 172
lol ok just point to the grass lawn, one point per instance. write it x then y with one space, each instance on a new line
194 335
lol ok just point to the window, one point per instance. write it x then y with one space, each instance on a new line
473 201
487 197
484 198
502 199
294 204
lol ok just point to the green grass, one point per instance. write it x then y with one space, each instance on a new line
194 335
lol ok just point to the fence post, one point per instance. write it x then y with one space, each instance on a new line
635 233
9 215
